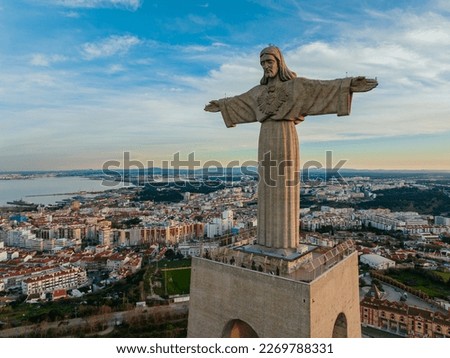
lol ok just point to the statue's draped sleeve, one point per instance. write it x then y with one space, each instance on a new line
238 109
324 97
293 100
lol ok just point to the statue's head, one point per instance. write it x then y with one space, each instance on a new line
284 72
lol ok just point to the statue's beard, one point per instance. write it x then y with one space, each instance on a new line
269 74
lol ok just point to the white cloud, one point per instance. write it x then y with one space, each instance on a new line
42 80
204 21
110 46
192 23
98 116
40 59
132 5
116 68
409 56
410 59
443 5
72 14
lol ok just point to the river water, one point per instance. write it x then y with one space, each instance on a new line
48 190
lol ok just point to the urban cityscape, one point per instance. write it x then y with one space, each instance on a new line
174 173
94 263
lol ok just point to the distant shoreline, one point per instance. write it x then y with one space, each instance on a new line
49 189
88 173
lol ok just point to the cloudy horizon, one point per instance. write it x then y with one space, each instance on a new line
84 81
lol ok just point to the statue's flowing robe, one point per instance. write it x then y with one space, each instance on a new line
279 108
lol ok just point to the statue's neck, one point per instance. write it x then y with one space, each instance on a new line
273 81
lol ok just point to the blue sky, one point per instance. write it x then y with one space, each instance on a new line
83 81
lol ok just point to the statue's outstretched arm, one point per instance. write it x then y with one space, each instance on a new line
212 106
362 84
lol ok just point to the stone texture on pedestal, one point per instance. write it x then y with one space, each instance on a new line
270 305
336 291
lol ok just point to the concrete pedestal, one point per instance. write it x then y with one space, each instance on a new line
231 301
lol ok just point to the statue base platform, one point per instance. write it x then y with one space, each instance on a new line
253 291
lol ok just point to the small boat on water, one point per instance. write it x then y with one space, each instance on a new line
22 203
19 202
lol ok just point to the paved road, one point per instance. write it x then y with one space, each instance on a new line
392 293
111 319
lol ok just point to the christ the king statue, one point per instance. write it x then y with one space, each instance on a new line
281 101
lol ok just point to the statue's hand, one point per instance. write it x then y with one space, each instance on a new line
212 106
362 84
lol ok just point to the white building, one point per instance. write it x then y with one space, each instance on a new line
3 255
25 239
384 219
220 226
116 261
196 249
320 241
104 236
135 236
212 229
441 220
377 262
65 278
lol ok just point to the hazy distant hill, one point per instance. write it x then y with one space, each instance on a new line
425 202
172 192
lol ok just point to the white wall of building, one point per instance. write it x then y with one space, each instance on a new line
441 220
377 262
3 255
